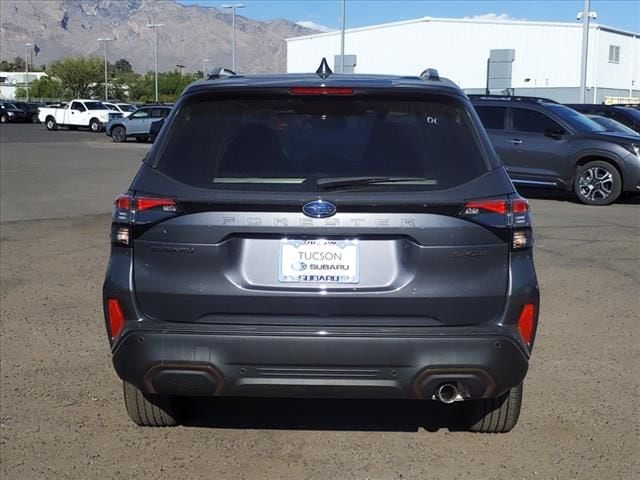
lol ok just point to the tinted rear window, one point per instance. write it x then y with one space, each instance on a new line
492 117
288 143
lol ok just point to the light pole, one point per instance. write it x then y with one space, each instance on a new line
585 48
155 27
233 7
204 60
342 27
106 75
26 68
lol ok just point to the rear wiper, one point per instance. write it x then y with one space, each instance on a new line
339 182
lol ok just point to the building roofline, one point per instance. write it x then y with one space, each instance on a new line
593 25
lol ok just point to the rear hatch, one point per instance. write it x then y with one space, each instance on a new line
303 209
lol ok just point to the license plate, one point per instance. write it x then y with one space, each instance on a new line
319 261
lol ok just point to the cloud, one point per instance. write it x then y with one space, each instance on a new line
494 16
314 26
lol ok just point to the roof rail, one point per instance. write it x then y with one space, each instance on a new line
510 98
430 74
221 72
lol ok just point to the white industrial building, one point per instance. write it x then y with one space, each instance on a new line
543 57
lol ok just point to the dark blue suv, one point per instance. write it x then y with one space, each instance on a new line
322 235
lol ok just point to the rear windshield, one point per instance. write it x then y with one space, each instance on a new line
290 143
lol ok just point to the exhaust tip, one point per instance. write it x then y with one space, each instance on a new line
447 393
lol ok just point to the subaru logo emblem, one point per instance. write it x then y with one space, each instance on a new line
319 209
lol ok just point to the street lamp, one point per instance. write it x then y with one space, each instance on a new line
342 27
106 75
155 27
204 60
233 7
26 68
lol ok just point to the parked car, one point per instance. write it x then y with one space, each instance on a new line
611 125
626 115
10 113
136 125
125 108
322 236
31 110
155 129
546 144
77 113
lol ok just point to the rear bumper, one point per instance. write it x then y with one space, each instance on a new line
312 362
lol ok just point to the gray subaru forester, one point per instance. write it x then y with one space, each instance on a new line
322 235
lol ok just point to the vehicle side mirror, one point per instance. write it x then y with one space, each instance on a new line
555 133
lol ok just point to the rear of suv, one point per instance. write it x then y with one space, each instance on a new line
343 236
545 144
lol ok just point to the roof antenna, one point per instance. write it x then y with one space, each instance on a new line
323 70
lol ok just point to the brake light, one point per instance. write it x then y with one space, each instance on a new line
123 202
519 205
321 91
526 323
147 203
115 317
486 206
503 213
135 214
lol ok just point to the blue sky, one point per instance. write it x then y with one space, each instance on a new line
623 14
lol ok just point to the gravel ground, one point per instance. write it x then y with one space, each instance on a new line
62 415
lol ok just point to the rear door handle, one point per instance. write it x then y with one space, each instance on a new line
515 141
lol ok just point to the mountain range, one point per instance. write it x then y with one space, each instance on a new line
190 34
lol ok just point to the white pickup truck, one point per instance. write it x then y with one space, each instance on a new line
90 114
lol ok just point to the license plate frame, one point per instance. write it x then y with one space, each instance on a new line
319 262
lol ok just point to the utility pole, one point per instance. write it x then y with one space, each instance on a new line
204 60
342 27
585 50
26 68
155 27
106 74
233 7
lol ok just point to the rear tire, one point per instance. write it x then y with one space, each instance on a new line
50 123
118 134
149 410
494 415
94 125
597 183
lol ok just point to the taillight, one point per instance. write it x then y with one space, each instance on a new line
321 91
486 206
133 214
147 203
526 323
115 317
502 213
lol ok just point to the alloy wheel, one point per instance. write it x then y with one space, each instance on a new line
596 184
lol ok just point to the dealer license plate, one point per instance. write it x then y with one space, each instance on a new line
319 261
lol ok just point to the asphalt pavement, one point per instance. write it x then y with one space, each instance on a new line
61 409
63 173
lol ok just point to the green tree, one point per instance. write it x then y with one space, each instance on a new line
18 64
122 66
78 75
46 87
170 86
21 92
